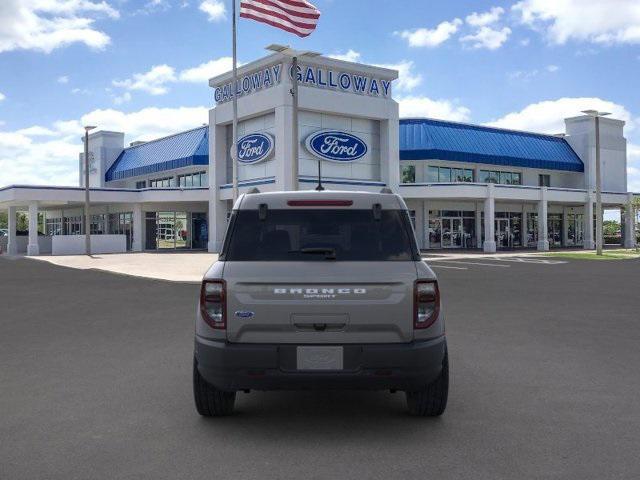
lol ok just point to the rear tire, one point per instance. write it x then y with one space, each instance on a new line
211 402
432 401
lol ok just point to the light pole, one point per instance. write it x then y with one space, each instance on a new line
294 54
596 114
87 217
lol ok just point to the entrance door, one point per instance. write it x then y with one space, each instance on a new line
504 237
451 232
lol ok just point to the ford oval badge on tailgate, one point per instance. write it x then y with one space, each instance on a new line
244 314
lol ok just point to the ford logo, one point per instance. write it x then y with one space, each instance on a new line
336 146
255 147
244 314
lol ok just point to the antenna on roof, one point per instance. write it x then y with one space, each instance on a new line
319 188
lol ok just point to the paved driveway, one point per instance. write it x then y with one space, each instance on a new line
95 383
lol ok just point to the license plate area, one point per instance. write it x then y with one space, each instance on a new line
323 358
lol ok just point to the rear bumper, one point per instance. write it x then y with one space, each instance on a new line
402 366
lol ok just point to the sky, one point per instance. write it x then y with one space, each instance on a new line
141 66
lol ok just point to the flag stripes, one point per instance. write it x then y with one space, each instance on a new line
295 16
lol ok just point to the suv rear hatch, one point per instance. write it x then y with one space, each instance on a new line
320 275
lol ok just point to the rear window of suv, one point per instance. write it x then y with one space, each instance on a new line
320 235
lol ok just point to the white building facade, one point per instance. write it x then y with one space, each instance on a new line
466 186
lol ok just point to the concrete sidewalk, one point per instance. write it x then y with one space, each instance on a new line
174 267
191 266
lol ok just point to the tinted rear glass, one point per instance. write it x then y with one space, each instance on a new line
302 235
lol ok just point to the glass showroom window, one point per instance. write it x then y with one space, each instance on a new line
53 226
544 180
142 184
447 175
504 178
97 224
162 182
199 179
408 174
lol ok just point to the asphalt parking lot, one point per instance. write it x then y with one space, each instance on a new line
95 382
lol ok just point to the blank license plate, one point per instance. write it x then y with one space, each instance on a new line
320 358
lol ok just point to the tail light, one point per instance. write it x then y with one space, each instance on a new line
213 303
426 304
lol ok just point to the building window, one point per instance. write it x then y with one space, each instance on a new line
162 182
503 178
190 180
141 184
408 174
447 175
544 180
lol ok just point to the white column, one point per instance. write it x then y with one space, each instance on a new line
489 245
543 240
218 208
138 219
478 226
565 227
589 242
283 139
629 224
32 246
390 150
12 246
425 225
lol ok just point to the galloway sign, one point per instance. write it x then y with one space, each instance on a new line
331 79
255 147
248 84
336 146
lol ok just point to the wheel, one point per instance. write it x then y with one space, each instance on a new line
211 402
432 401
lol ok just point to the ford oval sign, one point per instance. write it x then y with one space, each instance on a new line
255 147
336 146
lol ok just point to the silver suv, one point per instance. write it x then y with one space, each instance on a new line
320 290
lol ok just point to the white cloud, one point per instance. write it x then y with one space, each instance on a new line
527 75
420 106
525 42
487 37
214 9
154 81
49 155
424 37
2 96
595 21
552 68
548 116
407 78
45 25
203 72
63 79
486 18
349 56
120 99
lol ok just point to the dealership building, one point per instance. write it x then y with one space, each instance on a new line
466 186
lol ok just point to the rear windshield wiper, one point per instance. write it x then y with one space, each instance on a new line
329 253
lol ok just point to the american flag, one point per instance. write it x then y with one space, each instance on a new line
294 16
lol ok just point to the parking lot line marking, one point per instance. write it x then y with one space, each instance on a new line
446 266
474 263
531 260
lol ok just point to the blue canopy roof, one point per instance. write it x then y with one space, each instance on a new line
183 149
427 139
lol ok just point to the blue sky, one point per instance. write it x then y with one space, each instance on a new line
141 66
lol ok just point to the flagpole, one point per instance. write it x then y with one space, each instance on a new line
294 126
234 141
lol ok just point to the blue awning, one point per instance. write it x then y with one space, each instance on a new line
427 139
183 149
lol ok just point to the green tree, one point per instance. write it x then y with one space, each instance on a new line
3 220
610 228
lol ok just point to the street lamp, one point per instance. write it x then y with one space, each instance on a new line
87 217
294 54
596 114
